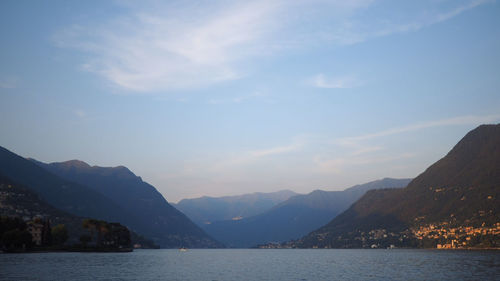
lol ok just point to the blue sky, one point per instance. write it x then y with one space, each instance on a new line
229 97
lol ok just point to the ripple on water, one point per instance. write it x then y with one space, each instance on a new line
254 264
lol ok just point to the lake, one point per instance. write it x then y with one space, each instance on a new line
254 264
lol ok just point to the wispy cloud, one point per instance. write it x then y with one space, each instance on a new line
80 113
255 154
430 20
257 95
354 29
330 156
360 150
252 156
337 165
308 157
228 170
321 81
150 51
178 45
460 120
366 149
237 164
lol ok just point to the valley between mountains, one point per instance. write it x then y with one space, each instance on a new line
454 203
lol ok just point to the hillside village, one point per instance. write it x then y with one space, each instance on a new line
461 237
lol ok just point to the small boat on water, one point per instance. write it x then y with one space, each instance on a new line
183 249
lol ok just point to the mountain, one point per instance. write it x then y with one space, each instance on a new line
454 203
294 217
205 210
19 201
62 194
169 228
155 217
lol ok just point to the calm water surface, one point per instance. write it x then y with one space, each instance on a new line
246 264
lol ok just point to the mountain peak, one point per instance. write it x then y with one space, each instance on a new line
105 194
75 163
457 192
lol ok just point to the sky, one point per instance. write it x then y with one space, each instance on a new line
229 97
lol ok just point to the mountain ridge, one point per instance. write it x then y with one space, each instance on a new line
209 209
19 201
165 224
292 218
83 201
459 192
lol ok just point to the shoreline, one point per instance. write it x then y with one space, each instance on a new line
129 250
69 249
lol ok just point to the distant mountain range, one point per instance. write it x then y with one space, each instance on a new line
454 203
111 194
206 210
294 217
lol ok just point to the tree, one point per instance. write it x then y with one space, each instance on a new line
91 225
85 239
112 235
13 234
10 223
117 236
59 234
16 239
101 227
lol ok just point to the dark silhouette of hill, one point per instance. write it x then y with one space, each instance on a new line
84 201
62 194
19 201
294 217
206 209
154 216
462 189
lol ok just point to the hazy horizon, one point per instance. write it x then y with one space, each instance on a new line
222 98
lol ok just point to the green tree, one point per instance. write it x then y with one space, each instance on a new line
59 234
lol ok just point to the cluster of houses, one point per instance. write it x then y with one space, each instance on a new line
455 237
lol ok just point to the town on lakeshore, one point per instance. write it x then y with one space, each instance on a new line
439 236
460 237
